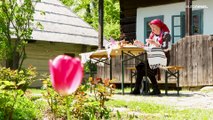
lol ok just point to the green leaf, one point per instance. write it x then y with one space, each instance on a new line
8 83
118 114
2 87
21 83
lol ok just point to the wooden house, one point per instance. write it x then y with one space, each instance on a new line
63 33
194 53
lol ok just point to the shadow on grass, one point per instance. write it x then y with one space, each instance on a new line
172 94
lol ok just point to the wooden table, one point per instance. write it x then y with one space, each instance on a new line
132 51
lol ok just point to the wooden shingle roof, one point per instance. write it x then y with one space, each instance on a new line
60 24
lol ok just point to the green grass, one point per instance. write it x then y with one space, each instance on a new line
36 91
153 111
126 90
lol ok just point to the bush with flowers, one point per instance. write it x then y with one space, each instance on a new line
83 104
68 98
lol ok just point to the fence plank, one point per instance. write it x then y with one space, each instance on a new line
205 61
210 59
184 46
194 60
200 60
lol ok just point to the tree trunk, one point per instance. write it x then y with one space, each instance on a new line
14 62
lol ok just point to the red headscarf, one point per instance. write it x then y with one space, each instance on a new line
163 28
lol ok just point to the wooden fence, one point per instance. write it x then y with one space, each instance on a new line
194 53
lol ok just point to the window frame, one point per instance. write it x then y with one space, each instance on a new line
198 12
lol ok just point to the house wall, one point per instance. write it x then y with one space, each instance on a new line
173 9
129 11
39 53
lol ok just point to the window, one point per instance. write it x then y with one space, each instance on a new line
176 28
147 29
197 22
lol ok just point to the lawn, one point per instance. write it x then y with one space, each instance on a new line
153 111
132 108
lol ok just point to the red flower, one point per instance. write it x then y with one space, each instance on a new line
66 74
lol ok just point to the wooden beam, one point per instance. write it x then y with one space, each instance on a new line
127 4
128 20
128 27
188 18
101 25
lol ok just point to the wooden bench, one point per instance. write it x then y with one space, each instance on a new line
145 84
132 74
172 71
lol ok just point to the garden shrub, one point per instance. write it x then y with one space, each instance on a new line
84 103
19 108
13 85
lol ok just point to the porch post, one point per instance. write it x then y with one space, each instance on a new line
188 18
100 27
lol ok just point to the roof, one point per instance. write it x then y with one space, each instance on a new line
62 25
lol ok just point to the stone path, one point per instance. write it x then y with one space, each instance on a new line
199 99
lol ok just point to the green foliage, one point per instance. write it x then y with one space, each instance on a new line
14 79
88 10
23 109
90 67
16 21
102 89
83 105
13 84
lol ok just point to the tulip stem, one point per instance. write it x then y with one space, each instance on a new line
68 106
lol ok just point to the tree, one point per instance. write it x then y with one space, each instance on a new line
16 21
88 10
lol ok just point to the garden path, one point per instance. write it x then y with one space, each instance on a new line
188 99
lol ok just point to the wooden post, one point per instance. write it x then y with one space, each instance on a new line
188 18
100 27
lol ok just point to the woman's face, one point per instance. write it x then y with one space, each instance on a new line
155 29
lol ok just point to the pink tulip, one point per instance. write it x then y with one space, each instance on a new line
66 74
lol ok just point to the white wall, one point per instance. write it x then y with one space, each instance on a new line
173 9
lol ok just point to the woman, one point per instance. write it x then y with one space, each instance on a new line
159 37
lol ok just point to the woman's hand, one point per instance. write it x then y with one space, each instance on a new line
151 41
122 43
138 43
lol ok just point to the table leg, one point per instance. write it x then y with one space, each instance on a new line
166 82
146 79
178 76
132 75
110 64
122 68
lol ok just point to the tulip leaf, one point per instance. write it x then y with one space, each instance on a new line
2 87
21 83
8 83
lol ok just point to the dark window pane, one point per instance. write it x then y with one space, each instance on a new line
148 30
195 25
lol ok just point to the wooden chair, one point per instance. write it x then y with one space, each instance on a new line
172 71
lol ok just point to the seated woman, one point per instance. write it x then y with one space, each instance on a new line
159 37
